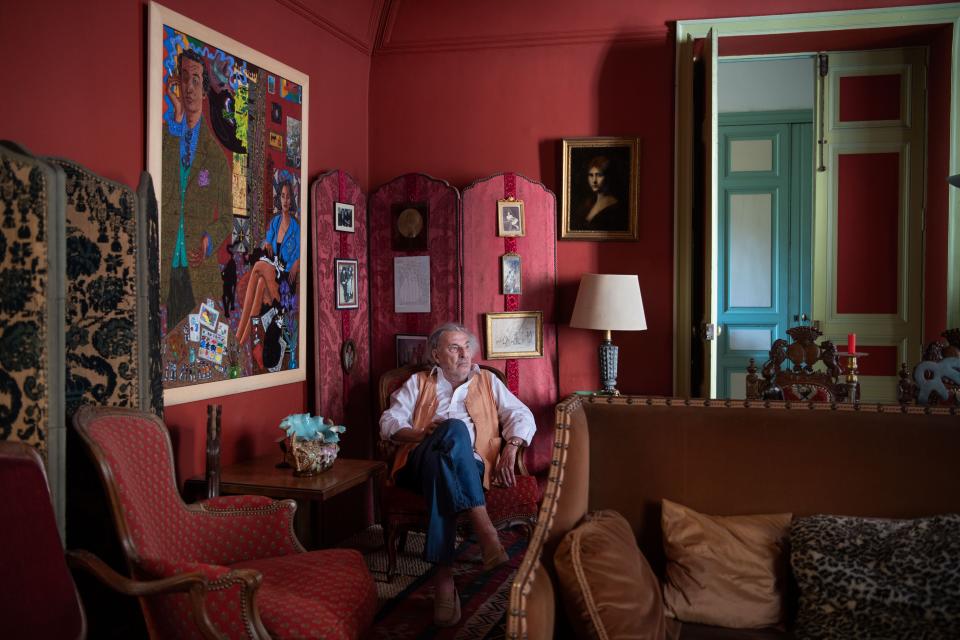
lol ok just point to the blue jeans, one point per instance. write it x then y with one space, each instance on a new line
444 471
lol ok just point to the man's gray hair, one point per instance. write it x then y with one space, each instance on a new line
434 340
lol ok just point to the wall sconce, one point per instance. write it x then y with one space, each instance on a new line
609 302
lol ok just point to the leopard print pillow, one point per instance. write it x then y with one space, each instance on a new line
876 578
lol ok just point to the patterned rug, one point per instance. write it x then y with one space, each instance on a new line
406 604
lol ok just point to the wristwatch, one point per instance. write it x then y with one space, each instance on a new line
515 442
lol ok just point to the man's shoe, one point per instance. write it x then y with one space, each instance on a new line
495 558
446 613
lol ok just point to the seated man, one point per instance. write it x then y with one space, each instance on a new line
446 423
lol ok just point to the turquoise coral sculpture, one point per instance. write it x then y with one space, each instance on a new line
307 427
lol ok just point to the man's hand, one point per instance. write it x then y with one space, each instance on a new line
196 256
504 475
173 92
413 434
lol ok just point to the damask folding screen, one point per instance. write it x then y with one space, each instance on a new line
341 372
31 309
96 341
413 217
533 380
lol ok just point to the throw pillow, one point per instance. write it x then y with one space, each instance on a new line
728 571
606 584
877 578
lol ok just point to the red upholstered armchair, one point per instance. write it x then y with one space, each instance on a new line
40 599
403 509
258 580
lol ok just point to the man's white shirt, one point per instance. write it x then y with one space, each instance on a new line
515 418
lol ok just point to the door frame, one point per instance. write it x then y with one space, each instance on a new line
688 30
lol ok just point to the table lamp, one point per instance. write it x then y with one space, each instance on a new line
609 302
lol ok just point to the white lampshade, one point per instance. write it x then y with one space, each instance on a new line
609 302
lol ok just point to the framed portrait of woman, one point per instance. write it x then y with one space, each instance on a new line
600 183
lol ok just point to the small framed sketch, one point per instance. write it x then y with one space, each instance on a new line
510 275
510 218
411 350
514 334
343 217
411 284
345 272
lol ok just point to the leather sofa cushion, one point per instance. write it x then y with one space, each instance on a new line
607 587
728 571
877 578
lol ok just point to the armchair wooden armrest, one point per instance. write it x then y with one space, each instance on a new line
191 583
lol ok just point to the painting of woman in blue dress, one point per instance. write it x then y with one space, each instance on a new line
277 270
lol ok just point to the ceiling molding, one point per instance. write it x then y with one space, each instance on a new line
312 16
515 40
386 19
377 10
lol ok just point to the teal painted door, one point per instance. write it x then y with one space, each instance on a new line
764 244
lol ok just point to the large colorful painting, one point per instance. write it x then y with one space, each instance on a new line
227 149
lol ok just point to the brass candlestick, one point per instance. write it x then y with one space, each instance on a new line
852 377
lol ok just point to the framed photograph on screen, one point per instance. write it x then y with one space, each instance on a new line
411 349
510 221
511 280
343 217
600 184
346 284
227 148
514 334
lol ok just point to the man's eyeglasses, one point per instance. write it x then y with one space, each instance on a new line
454 349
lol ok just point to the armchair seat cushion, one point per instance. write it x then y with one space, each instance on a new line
327 594
518 500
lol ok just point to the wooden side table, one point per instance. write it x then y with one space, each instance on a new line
261 477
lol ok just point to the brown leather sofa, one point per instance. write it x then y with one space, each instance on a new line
728 458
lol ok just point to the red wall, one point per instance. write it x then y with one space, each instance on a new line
75 87
458 93
461 90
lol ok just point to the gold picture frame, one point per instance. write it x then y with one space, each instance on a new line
600 189
510 219
513 334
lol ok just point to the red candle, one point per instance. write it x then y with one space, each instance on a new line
852 342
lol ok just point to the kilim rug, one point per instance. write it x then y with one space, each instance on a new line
406 604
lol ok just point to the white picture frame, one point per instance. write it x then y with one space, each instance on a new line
343 217
411 284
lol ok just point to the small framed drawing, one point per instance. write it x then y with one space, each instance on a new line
510 274
600 186
411 350
514 334
510 219
345 271
343 217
